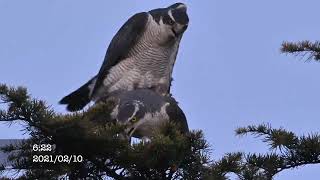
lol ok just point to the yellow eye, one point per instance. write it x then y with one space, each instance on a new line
134 119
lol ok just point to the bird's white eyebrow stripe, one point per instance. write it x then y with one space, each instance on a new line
136 109
170 15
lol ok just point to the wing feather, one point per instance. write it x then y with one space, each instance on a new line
121 44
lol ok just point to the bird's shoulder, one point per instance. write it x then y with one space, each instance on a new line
126 37
122 43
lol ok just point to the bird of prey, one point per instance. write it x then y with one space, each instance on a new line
143 112
140 56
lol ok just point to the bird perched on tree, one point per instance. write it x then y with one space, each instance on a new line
143 112
140 56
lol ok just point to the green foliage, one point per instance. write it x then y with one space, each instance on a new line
95 137
169 154
292 151
308 49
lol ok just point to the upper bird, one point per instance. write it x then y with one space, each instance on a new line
140 56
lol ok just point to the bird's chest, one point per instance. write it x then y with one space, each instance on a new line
150 69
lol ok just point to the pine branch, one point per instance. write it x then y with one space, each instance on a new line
169 155
294 151
231 162
276 138
94 136
303 48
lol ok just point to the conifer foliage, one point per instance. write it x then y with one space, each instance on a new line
306 49
97 151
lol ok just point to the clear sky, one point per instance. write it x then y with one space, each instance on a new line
229 71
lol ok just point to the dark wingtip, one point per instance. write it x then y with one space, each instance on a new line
72 107
79 98
74 103
76 100
64 100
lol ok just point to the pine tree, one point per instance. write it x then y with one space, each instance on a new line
87 147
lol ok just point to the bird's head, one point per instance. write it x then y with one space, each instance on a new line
129 114
143 112
173 20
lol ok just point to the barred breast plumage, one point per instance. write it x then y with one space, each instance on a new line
147 66
141 55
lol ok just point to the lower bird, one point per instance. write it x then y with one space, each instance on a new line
144 111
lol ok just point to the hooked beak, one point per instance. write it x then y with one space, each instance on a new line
131 131
179 29
174 32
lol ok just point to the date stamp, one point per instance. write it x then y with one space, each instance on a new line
57 158
50 157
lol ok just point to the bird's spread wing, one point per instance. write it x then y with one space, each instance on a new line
121 44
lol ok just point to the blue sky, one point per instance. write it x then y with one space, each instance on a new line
229 71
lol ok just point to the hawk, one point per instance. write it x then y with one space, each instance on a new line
144 111
140 56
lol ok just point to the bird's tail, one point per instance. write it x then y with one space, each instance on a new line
79 98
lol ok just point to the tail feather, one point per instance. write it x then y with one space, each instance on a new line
79 98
